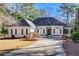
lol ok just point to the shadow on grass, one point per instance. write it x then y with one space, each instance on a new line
3 52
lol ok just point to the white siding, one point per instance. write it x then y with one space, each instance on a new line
41 28
57 29
19 31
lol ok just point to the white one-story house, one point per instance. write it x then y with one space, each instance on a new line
44 26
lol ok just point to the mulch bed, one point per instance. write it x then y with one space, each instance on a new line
71 48
9 38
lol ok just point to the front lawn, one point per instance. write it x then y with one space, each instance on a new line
7 45
14 44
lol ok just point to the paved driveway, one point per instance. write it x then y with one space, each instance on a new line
71 48
43 47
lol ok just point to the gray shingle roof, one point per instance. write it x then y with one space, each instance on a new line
21 22
43 21
46 21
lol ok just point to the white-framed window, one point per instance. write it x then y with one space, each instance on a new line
12 31
22 31
60 31
15 31
37 30
26 31
43 31
54 31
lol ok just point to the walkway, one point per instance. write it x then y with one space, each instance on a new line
43 47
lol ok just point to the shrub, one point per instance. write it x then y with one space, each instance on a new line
75 36
4 29
71 31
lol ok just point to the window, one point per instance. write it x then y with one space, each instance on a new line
43 31
60 31
12 31
15 31
26 31
53 30
65 31
22 32
37 30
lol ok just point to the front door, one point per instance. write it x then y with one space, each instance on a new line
49 31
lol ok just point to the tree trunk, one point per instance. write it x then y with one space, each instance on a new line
67 22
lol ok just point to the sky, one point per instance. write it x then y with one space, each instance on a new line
50 7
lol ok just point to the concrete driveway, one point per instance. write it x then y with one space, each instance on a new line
43 47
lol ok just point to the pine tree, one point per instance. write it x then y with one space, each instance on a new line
67 10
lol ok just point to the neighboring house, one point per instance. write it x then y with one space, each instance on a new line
44 26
